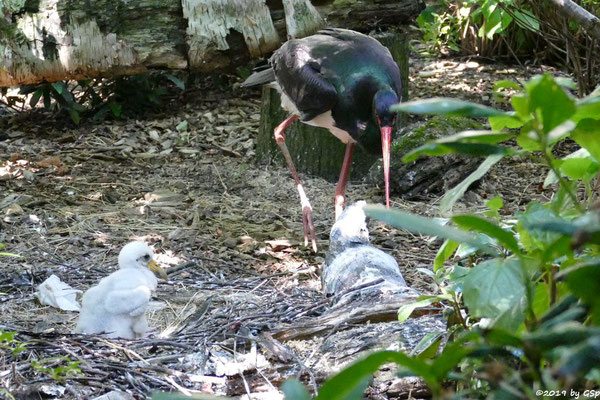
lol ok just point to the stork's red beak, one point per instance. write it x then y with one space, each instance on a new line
386 142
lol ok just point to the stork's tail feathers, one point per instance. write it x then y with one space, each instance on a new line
260 78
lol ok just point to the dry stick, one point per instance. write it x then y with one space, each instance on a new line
338 296
172 382
160 342
11 202
173 270
320 346
511 51
136 383
220 178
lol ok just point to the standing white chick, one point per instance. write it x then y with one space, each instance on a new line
116 306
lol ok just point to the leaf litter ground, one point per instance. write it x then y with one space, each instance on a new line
227 230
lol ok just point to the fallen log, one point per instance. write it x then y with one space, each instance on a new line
363 283
52 40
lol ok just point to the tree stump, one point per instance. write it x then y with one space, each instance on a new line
316 151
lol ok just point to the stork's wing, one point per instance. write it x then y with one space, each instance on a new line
299 76
260 76
343 34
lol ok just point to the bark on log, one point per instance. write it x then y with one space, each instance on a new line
49 40
574 11
315 151
301 18
211 24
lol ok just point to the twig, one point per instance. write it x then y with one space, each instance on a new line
220 178
11 202
179 267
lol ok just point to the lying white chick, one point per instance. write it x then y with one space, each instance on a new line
116 306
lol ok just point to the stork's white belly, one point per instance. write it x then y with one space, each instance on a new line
324 120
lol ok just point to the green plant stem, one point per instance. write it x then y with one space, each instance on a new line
456 306
589 194
553 291
562 182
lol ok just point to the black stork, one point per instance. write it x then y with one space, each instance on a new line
340 80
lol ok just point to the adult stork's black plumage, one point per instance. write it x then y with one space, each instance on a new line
343 81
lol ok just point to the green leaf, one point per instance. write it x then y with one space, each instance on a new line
494 287
541 299
566 82
453 353
561 247
343 384
588 107
526 19
532 220
559 308
471 149
496 21
78 107
561 227
506 84
508 120
8 336
501 337
520 104
580 360
453 195
495 203
182 126
444 253
586 135
36 97
47 100
26 89
60 87
428 346
293 389
565 334
550 100
74 116
115 108
560 132
178 82
10 254
483 136
580 168
423 301
425 226
528 140
440 105
489 228
552 179
584 282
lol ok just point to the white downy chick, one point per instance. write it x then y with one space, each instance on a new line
116 306
352 262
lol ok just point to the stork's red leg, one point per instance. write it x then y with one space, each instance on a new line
306 207
340 188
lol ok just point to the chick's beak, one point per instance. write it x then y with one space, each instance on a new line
157 270
386 141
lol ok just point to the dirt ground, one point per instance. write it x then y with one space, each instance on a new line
230 231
